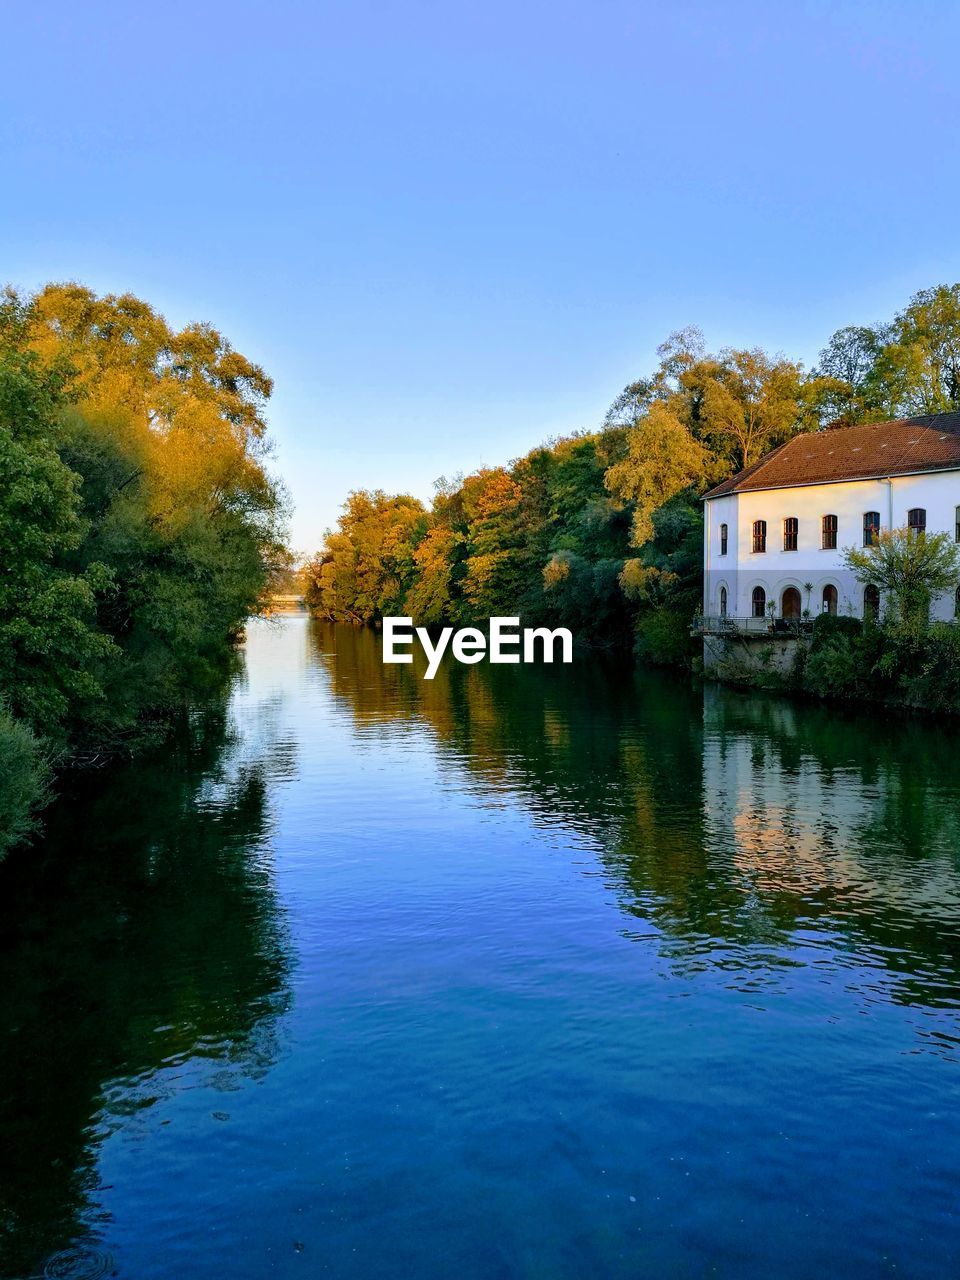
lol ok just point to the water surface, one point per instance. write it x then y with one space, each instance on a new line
521 972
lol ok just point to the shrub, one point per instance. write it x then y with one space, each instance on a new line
828 626
833 668
932 678
663 637
23 781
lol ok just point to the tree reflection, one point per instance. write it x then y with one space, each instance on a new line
141 931
729 822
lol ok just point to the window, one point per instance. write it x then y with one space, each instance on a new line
957 526
871 601
830 598
759 535
917 520
791 531
723 602
871 527
723 539
759 602
828 539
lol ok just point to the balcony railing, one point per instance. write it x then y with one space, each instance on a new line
727 624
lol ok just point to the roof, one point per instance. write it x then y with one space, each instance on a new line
868 452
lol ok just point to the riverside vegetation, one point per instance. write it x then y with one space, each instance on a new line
602 532
138 528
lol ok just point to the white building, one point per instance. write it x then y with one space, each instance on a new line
774 535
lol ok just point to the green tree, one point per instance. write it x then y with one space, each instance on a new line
165 431
906 367
852 392
51 658
911 568
920 365
744 403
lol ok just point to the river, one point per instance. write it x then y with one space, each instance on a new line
523 972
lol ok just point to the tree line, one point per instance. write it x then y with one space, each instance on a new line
602 531
139 525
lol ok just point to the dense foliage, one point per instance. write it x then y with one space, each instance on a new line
902 661
138 523
603 531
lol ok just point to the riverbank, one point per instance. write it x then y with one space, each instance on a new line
139 528
908 665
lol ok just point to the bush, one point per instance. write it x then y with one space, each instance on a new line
931 677
663 637
833 668
847 659
23 781
827 627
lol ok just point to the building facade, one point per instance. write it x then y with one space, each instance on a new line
775 534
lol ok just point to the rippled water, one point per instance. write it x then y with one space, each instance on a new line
522 973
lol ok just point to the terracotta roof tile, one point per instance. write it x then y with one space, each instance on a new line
876 449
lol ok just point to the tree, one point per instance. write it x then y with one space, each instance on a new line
430 600
662 459
367 565
744 403
176 522
903 368
681 351
920 365
847 366
51 658
493 580
123 354
913 568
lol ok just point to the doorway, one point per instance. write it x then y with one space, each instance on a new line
790 604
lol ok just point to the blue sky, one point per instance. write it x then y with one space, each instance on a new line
451 231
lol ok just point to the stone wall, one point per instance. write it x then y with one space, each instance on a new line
735 656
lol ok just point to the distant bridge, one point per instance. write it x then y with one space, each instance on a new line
282 604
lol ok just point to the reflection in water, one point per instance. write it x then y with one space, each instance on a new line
521 972
731 823
143 932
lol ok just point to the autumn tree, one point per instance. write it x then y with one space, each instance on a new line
168 515
367 565
493 578
662 459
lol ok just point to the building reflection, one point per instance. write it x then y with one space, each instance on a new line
729 824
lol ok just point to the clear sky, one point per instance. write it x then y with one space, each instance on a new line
450 230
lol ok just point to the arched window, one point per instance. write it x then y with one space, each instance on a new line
790 603
871 527
830 599
917 520
791 532
723 539
759 535
759 602
723 602
828 538
871 601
